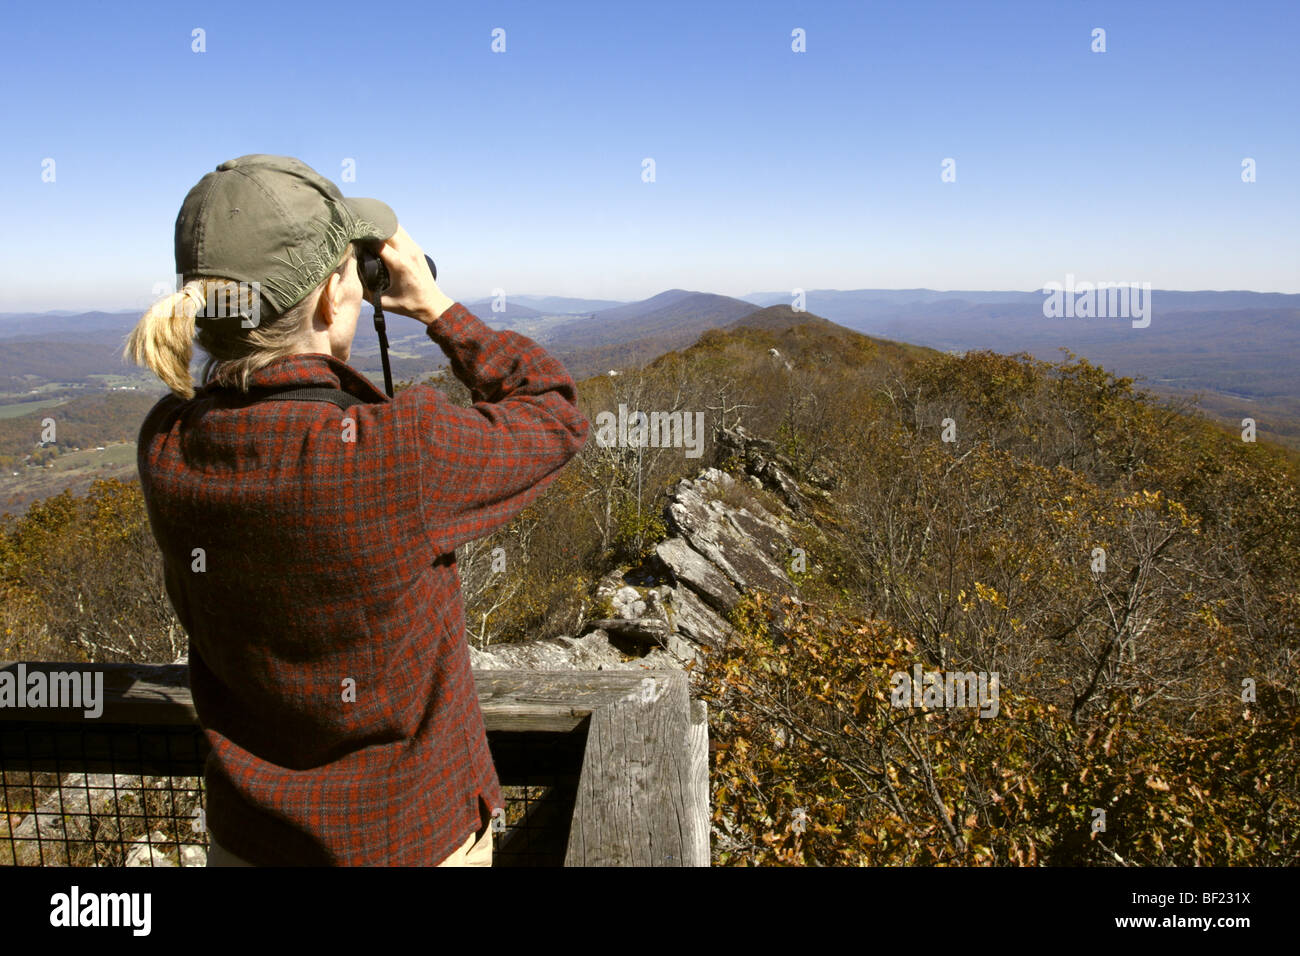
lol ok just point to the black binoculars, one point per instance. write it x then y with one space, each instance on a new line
373 272
374 276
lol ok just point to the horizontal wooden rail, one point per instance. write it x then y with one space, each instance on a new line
642 795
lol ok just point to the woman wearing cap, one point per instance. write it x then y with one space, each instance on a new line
309 547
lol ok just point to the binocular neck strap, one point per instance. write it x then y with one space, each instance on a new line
381 329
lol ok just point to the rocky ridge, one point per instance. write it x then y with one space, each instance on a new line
721 545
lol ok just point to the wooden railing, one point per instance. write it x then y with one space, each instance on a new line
623 757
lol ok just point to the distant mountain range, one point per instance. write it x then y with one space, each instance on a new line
548 304
676 316
838 305
1238 342
46 325
1239 349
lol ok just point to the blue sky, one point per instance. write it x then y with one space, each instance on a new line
774 170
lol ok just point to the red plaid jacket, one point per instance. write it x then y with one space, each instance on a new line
316 578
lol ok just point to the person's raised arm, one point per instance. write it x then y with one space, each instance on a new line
482 465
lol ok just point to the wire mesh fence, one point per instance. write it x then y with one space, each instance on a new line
132 795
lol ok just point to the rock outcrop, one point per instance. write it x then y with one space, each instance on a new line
722 544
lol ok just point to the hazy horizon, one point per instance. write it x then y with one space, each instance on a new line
744 297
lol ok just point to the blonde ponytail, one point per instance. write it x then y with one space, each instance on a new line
163 339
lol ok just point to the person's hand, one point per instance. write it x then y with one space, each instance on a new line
412 290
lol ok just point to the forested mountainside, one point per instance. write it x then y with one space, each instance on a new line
1235 350
1125 570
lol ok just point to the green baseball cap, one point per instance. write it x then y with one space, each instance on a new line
274 223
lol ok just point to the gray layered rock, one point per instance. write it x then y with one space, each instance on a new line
695 620
593 651
696 572
649 632
628 603
772 476
739 442
769 469
663 613
749 548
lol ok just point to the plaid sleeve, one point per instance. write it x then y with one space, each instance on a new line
480 466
